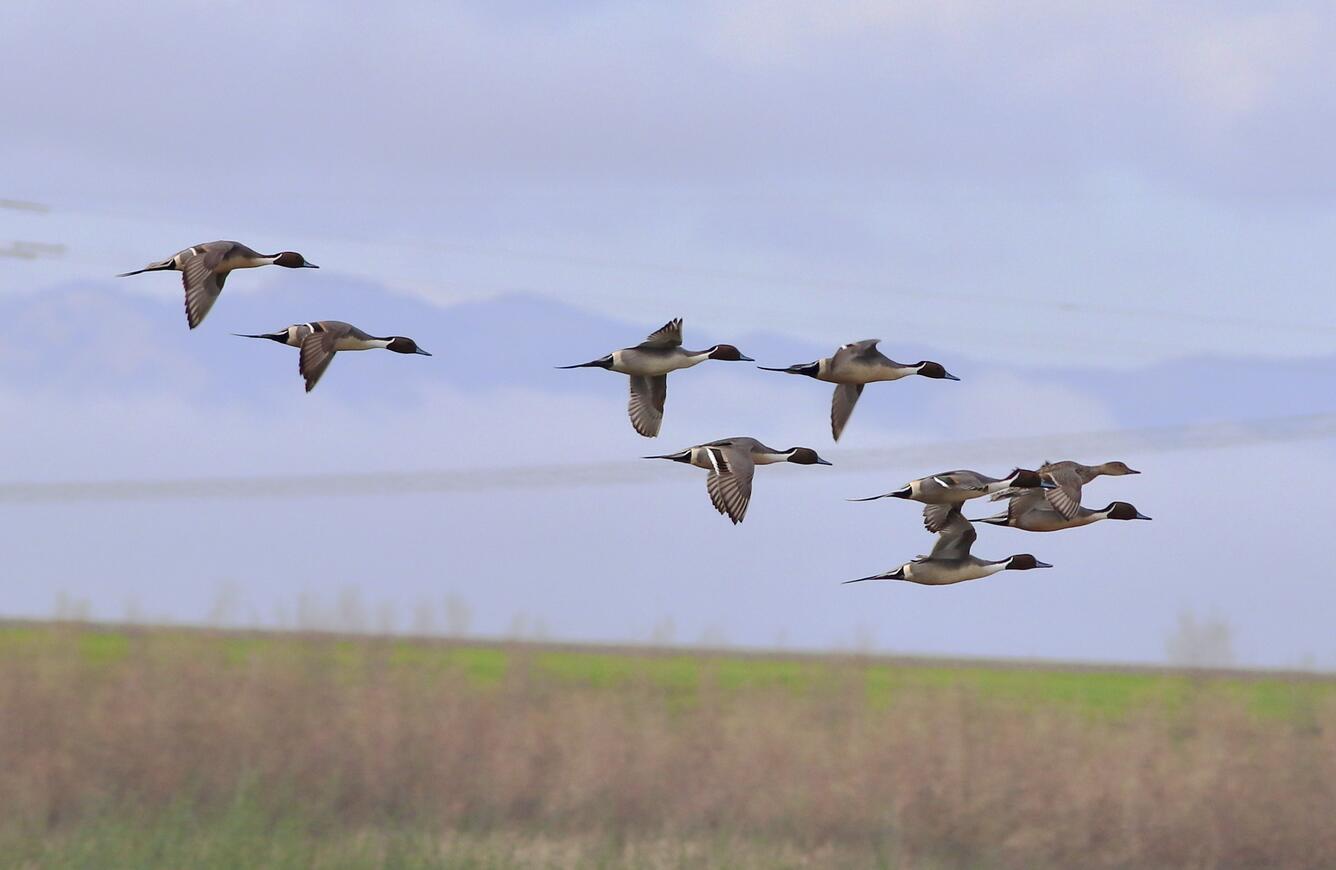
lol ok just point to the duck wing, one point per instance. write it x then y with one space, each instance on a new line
317 352
1065 496
842 406
648 394
202 283
665 337
955 539
729 482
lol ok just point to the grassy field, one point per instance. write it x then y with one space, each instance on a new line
174 748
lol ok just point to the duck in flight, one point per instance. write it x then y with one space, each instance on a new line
319 340
731 463
950 560
648 365
853 367
1033 513
946 492
204 268
1065 480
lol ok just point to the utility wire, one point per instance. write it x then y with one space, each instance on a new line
917 459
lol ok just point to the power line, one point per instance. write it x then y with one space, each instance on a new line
920 458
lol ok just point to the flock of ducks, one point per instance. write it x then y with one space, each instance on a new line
1044 500
204 269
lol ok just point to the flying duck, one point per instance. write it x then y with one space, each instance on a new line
852 367
205 267
1033 513
649 363
1067 478
946 492
319 340
950 560
731 463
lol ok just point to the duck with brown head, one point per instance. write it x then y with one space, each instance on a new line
951 561
204 269
854 366
1032 512
732 463
648 365
1067 479
945 492
320 340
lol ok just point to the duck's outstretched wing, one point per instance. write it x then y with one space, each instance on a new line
729 482
648 394
667 336
317 352
1065 496
842 406
955 539
202 284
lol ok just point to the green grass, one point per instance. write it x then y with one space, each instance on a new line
685 675
164 747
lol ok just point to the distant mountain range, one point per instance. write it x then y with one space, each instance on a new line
108 336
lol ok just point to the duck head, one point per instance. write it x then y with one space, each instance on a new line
293 260
1121 510
929 369
1024 562
804 456
400 344
1116 469
727 353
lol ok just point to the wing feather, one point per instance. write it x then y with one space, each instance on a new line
648 394
730 486
1065 496
955 539
317 352
842 405
666 336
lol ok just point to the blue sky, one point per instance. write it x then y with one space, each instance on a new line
1036 189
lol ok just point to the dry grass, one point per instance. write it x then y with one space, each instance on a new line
344 740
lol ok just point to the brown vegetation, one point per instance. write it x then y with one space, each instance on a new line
347 738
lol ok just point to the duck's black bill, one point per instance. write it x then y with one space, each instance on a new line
310 266
1141 516
421 351
821 461
950 377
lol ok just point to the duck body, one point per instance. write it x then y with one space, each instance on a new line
951 560
1033 513
1066 480
945 492
732 463
204 269
319 340
654 361
854 366
648 365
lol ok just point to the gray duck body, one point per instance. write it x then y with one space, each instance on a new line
320 340
731 463
204 269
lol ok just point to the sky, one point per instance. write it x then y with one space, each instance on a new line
1068 200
